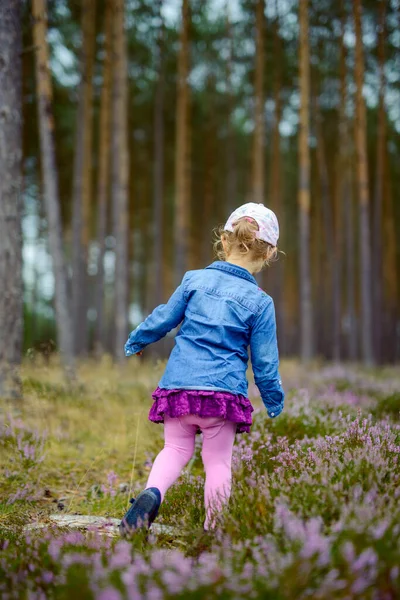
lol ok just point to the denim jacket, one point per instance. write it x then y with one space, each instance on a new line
223 312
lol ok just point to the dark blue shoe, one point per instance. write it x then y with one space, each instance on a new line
143 511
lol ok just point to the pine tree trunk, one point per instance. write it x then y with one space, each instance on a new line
77 261
340 193
331 226
332 298
259 125
103 179
146 243
379 182
182 178
35 298
363 195
231 174
319 277
306 334
120 156
391 283
276 158
158 173
209 208
275 178
291 332
50 181
82 188
326 241
344 201
11 294
350 271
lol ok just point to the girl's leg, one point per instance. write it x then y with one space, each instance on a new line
218 440
178 450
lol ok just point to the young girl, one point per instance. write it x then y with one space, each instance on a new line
204 387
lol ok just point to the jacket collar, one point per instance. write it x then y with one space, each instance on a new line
233 270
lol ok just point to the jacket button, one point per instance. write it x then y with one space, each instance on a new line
272 414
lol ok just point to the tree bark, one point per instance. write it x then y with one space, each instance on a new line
259 120
209 206
103 178
120 155
363 193
379 182
158 172
276 158
11 295
332 298
182 175
306 334
344 200
50 181
231 174
82 188
319 275
351 271
275 178
390 278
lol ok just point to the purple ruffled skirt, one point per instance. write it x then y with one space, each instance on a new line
203 403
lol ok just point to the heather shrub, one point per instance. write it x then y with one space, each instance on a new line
314 513
389 406
22 454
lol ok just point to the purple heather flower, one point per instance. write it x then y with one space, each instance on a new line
47 577
108 593
367 559
121 557
153 592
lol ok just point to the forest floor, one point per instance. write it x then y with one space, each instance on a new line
315 510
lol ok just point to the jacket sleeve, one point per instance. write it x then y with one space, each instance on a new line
265 360
163 318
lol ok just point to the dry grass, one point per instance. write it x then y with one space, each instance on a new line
95 426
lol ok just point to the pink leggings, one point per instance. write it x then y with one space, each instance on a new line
218 439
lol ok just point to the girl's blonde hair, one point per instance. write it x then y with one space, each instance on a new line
243 240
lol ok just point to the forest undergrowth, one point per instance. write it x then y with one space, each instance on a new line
315 510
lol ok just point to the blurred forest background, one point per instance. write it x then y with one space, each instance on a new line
145 122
